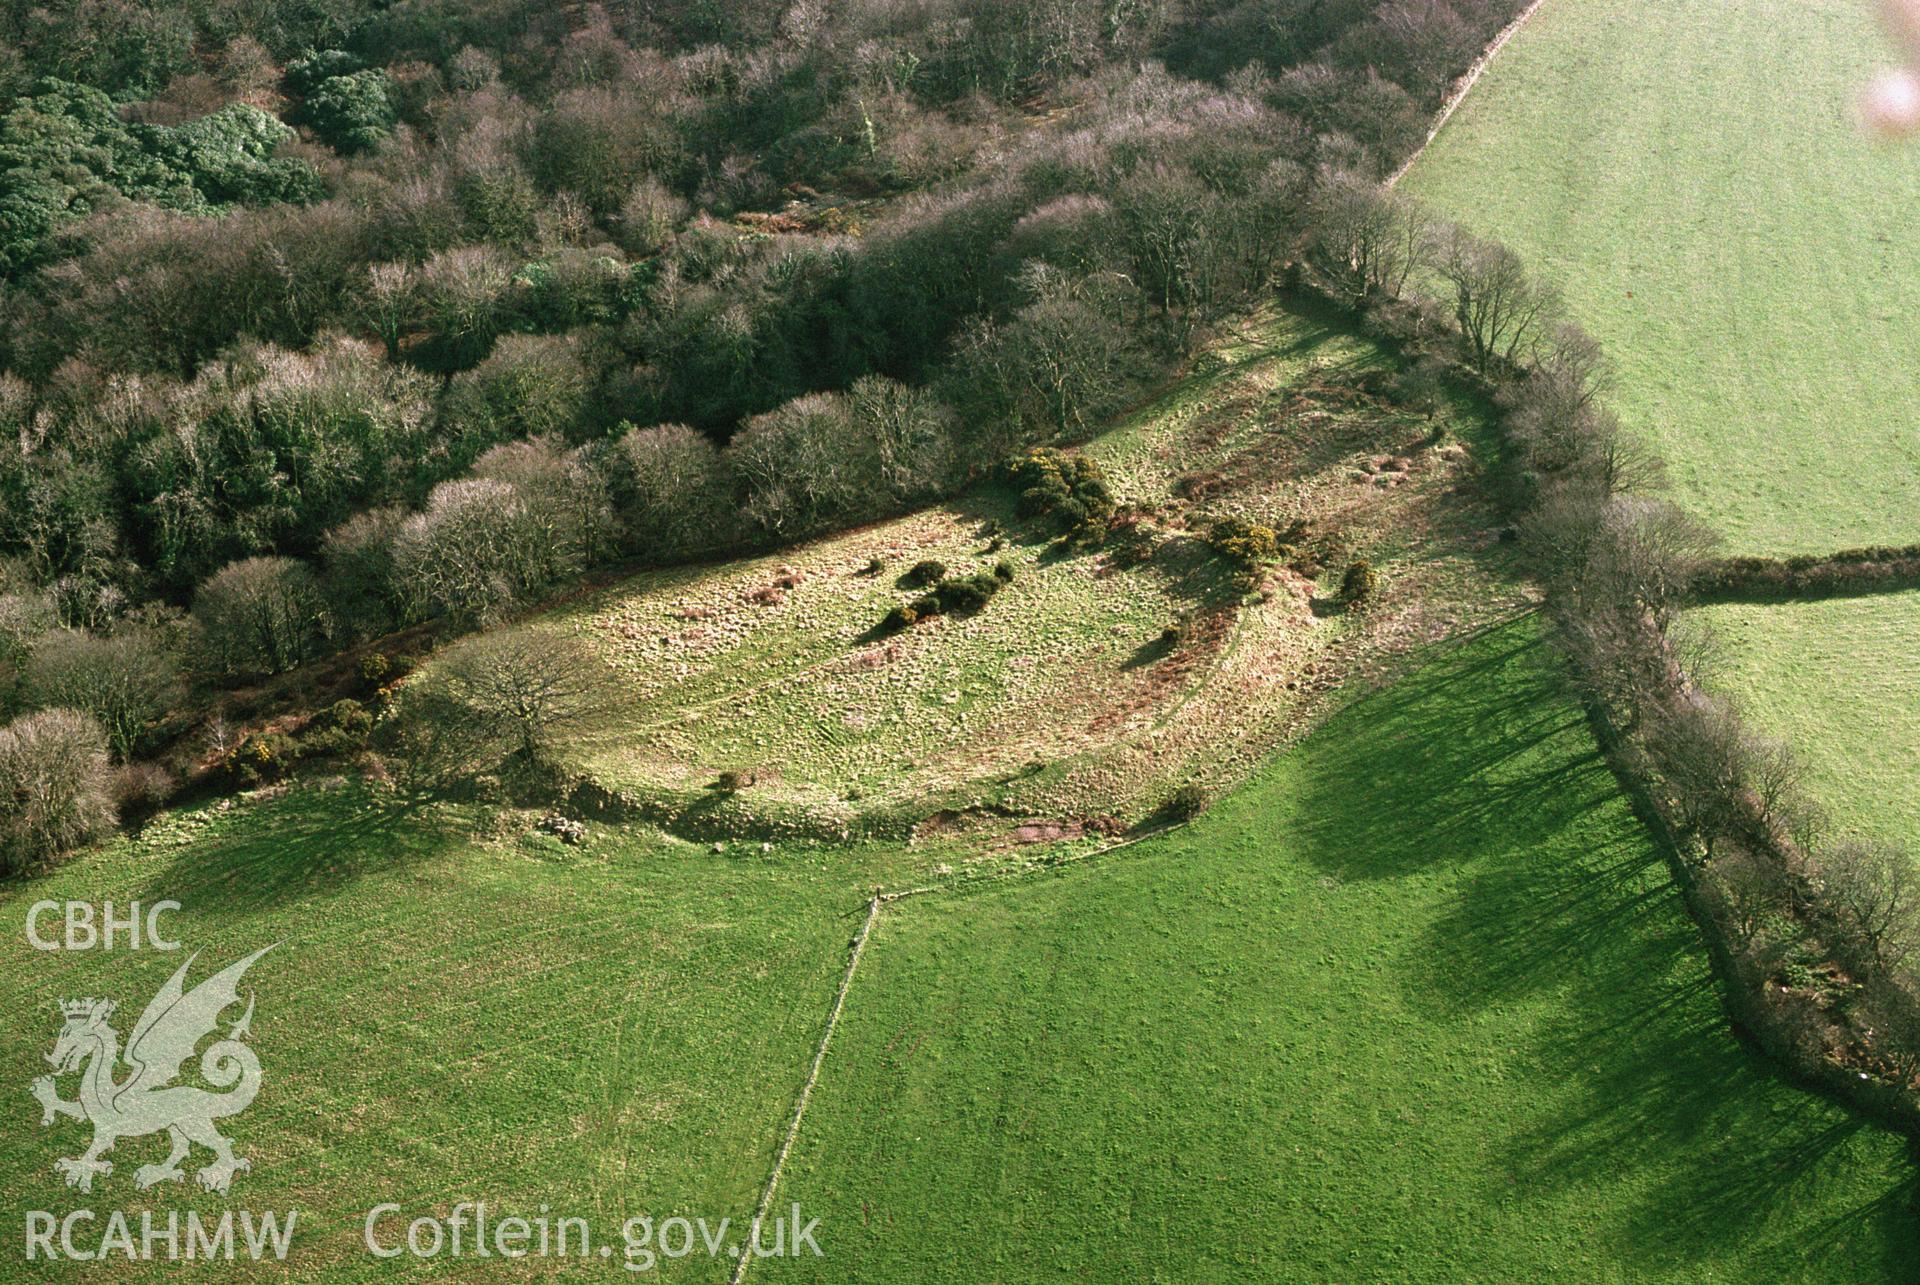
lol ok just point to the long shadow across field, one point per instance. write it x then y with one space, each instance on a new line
1475 768
1445 762
310 843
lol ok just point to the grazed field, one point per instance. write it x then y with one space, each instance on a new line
1419 1003
1840 681
609 1031
1060 699
1692 176
1416 1002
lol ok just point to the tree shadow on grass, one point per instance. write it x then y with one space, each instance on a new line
1479 765
1315 322
1602 918
310 842
1150 652
1483 768
1661 1087
1448 762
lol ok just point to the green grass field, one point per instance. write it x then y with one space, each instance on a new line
1418 1004
1692 176
1839 680
614 1033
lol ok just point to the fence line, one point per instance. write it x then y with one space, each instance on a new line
1462 85
806 1089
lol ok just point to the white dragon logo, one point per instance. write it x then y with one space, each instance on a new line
148 1101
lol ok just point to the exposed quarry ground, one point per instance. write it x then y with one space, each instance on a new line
1061 702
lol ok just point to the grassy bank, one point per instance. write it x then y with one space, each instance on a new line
1065 696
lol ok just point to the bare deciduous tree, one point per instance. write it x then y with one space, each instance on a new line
803 465
1752 887
362 585
261 616
1877 886
1649 554
516 692
1367 241
55 787
534 518
565 499
1703 755
912 433
1501 310
1774 777
671 489
388 304
124 681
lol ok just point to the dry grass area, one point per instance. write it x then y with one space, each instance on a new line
1061 700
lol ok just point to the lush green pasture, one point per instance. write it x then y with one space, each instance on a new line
1419 1003
610 1033
1839 680
1060 697
1693 176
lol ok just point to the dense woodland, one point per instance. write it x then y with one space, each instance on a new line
323 318
293 294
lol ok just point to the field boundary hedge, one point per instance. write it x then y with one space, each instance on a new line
1846 573
858 949
1813 934
1778 1028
